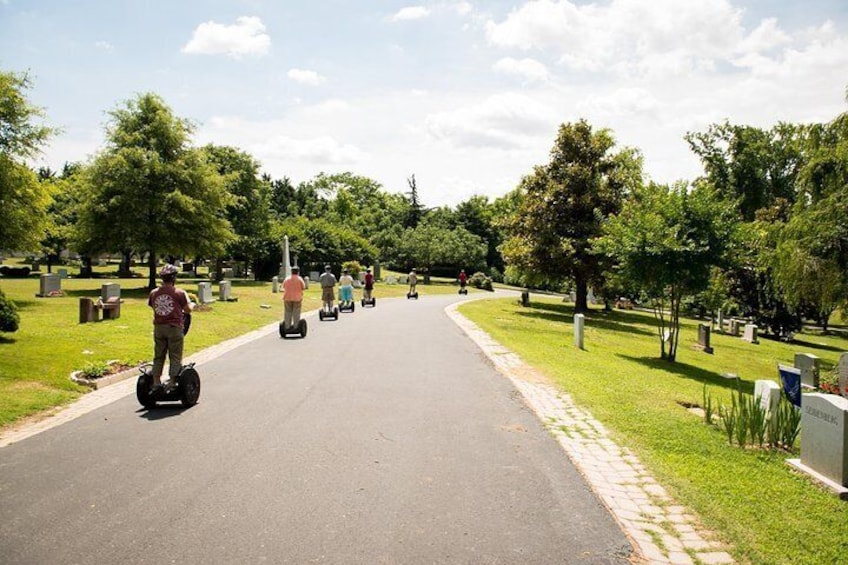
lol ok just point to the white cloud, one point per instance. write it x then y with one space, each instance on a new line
309 78
622 102
324 150
246 37
104 45
463 8
505 121
529 69
410 13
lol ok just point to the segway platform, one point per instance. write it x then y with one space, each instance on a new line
325 315
347 307
372 302
463 291
412 295
298 329
186 391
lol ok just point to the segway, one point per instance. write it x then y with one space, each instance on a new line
326 314
297 329
347 306
412 295
372 302
186 389
463 290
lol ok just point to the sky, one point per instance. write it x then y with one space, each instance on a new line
467 96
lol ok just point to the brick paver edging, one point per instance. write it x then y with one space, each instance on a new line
661 530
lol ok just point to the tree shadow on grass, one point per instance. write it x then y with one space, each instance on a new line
820 346
607 320
691 372
7 340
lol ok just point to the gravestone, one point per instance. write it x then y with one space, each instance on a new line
808 364
110 290
734 327
226 273
824 449
188 267
314 276
357 284
275 284
750 334
87 311
767 394
720 322
391 280
790 378
402 279
704 338
579 320
842 369
572 296
224 290
376 270
204 292
49 285
305 282
525 298
63 273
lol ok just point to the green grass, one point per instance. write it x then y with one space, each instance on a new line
750 497
36 361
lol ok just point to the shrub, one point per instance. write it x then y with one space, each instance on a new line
480 280
354 267
9 318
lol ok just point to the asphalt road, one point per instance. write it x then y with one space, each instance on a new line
384 437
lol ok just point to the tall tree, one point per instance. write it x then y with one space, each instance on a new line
23 200
416 209
665 241
150 191
565 203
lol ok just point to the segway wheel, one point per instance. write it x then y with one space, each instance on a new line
302 327
336 312
282 330
142 390
189 387
363 302
353 306
321 315
373 302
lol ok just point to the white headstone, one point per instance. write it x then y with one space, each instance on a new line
824 445
750 334
720 322
843 374
110 290
768 394
224 290
204 292
63 273
579 320
391 280
314 276
808 364
227 273
275 284
402 279
49 285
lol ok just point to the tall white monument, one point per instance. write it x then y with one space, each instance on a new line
285 269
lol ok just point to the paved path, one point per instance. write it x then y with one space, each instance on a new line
385 437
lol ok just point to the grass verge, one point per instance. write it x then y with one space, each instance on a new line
750 497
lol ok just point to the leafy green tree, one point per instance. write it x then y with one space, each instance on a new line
564 205
429 246
249 207
23 200
62 212
665 241
318 241
150 191
477 215
282 202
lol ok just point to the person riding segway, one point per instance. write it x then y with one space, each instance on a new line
171 320
293 288
367 297
328 282
413 285
346 303
463 279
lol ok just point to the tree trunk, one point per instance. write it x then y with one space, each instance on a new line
124 267
151 265
85 269
580 304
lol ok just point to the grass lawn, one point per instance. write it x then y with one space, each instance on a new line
36 361
769 513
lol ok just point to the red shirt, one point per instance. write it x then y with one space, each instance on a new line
369 281
462 277
293 288
168 303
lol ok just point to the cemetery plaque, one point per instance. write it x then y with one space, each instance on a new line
704 337
825 443
843 374
204 292
49 285
808 364
768 394
224 290
578 330
750 334
790 378
110 290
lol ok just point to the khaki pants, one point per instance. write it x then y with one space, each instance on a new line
167 339
327 295
291 315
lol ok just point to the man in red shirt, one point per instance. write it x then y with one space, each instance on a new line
369 284
293 288
169 303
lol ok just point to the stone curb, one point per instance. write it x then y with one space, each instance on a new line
661 531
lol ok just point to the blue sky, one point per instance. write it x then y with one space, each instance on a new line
465 95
